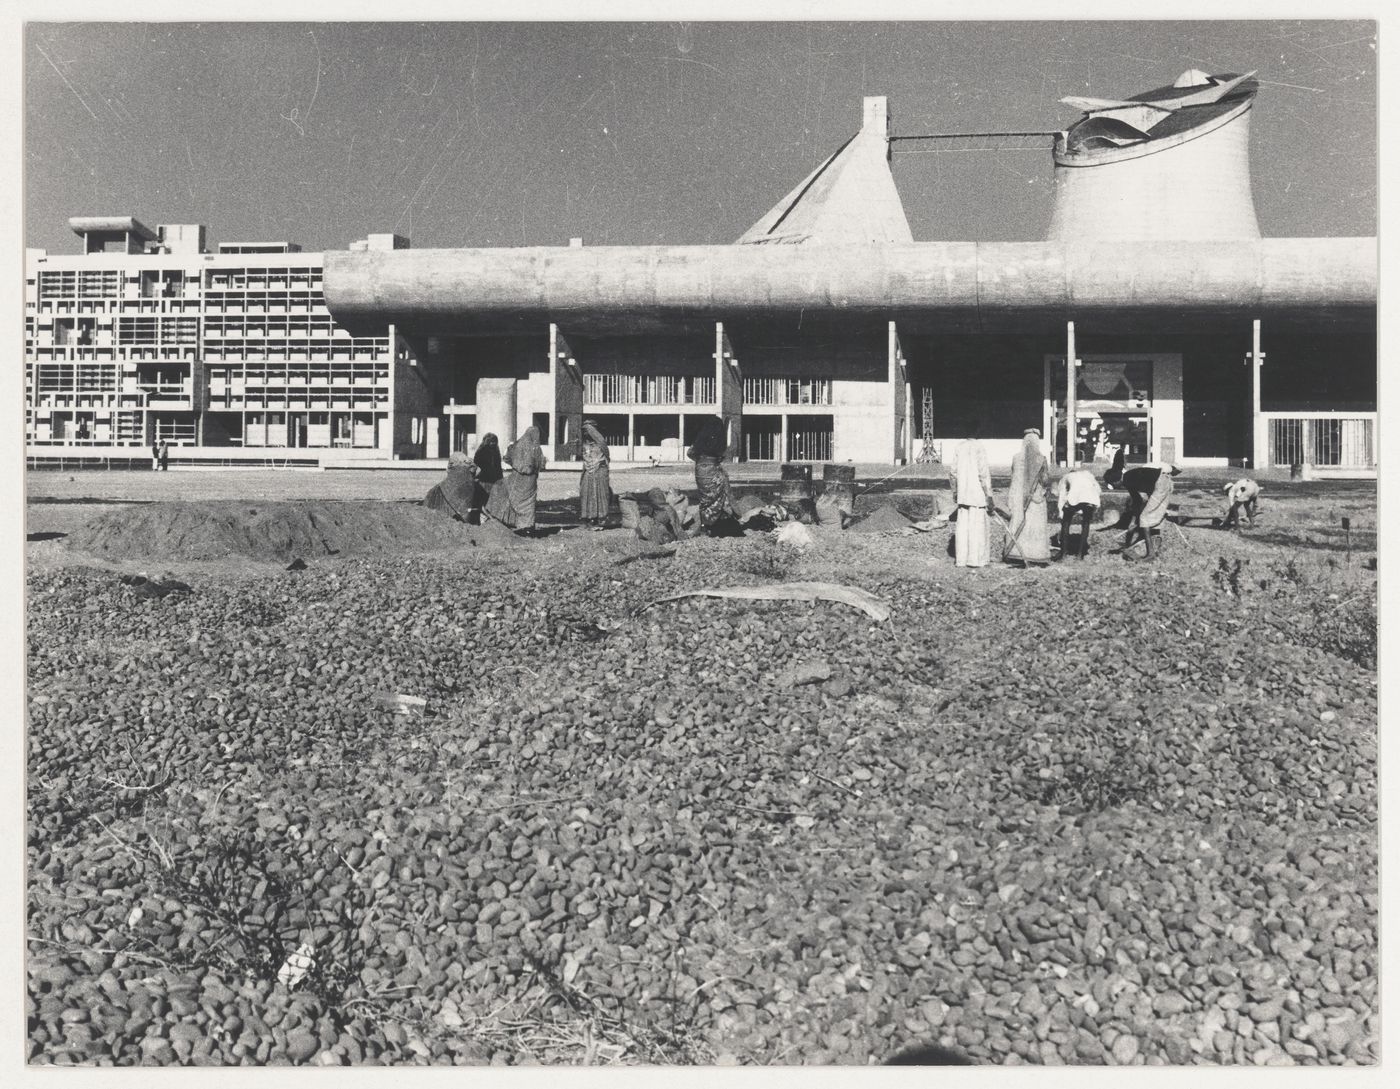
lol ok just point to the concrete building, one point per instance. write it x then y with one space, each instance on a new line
827 333
227 356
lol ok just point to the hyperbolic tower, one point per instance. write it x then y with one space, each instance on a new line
1169 164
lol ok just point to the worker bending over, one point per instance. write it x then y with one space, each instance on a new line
1080 498
1243 495
1149 489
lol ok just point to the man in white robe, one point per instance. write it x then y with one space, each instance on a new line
972 488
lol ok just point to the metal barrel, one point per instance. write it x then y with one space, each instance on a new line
839 482
796 482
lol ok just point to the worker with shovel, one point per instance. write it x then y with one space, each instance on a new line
1149 490
1029 538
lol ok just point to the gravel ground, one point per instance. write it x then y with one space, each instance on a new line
1097 813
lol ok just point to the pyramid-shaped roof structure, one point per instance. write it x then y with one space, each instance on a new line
851 197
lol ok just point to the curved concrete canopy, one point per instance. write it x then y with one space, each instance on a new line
925 286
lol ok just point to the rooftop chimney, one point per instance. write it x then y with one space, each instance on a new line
877 115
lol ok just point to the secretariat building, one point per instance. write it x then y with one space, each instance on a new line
1156 314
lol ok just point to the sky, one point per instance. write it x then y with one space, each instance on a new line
498 134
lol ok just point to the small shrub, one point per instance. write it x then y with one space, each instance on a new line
1226 576
773 562
1088 767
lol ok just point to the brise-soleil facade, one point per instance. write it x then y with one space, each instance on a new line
824 333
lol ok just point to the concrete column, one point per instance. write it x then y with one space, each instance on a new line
783 438
896 387
496 409
391 408
566 406
908 453
631 436
729 387
1258 432
1071 389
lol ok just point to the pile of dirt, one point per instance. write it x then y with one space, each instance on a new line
273 531
884 519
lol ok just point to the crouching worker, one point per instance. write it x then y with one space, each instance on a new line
1080 498
1149 489
670 518
1243 495
453 495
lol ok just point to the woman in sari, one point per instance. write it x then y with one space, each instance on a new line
1030 473
710 478
513 503
488 474
594 494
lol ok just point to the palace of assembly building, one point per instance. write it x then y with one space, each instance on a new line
826 332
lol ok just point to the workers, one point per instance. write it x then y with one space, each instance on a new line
1149 489
1080 497
1243 494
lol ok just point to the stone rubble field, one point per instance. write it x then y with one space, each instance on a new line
1102 813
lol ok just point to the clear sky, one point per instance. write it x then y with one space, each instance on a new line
462 134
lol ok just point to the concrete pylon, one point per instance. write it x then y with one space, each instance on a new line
851 197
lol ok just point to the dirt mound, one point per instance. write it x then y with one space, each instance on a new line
884 519
273 531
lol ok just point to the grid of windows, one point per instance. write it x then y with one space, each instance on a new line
229 355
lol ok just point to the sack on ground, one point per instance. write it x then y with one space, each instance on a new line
828 511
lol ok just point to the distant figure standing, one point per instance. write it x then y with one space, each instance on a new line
972 486
594 493
1243 495
1080 498
163 455
155 453
1149 492
708 453
1030 472
1114 476
514 501
487 460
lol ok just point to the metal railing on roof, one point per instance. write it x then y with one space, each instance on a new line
979 141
